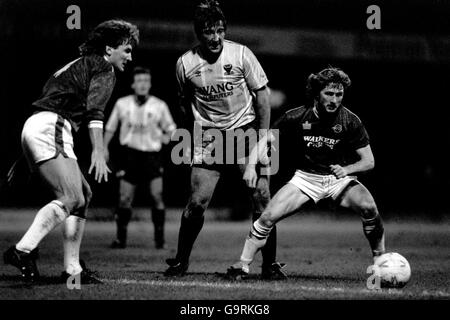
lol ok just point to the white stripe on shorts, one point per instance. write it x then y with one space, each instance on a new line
45 135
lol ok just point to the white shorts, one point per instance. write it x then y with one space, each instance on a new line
319 187
45 135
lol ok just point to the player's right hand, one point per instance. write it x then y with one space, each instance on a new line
250 176
98 163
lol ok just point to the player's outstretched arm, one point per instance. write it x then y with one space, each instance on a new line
106 140
262 108
98 162
366 163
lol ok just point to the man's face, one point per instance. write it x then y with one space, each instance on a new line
330 97
211 37
119 56
142 84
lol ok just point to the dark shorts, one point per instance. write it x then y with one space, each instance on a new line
140 166
219 148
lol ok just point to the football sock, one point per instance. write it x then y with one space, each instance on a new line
73 230
256 240
158 218
189 230
374 232
47 218
123 217
269 251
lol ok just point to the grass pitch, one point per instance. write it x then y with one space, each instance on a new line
326 258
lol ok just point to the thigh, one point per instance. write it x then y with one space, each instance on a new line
62 175
87 192
285 202
357 196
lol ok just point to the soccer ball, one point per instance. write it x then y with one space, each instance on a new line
393 270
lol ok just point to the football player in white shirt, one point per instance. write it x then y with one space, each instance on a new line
145 125
222 86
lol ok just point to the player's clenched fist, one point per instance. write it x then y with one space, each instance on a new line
338 171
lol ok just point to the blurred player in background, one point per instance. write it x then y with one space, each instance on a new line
74 96
333 146
225 87
145 125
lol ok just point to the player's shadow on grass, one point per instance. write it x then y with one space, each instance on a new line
19 283
291 277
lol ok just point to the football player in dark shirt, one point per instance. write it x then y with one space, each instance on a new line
328 136
75 95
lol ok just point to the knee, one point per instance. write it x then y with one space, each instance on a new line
196 207
158 201
266 219
368 209
74 201
125 201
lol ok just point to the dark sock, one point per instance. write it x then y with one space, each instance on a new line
374 232
269 251
158 218
189 230
123 217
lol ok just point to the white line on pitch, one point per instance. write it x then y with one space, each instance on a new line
271 287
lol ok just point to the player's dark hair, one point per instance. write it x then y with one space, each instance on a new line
207 14
111 33
140 70
317 81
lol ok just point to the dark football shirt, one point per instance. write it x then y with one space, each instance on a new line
317 143
79 91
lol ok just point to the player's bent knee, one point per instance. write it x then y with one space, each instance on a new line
267 219
125 202
158 200
368 210
73 202
195 209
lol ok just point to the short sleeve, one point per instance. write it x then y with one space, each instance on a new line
181 77
359 138
253 72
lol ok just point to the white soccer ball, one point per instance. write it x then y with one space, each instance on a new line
393 269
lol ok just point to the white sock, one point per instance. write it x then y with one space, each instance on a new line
251 247
72 235
45 221
256 239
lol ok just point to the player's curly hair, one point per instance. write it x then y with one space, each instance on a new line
317 81
111 33
207 13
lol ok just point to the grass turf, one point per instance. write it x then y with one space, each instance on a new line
326 258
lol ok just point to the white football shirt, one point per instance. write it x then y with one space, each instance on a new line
222 91
141 127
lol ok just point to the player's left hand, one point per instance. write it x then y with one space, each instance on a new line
338 171
99 163
250 176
